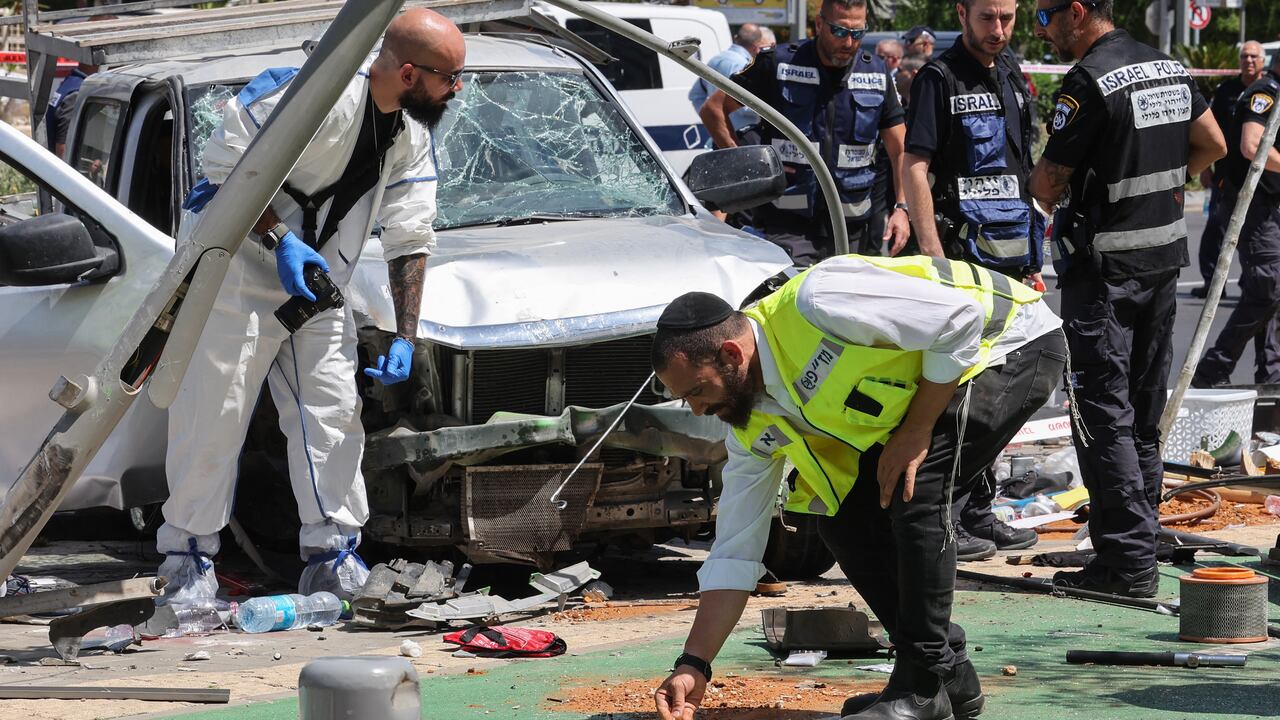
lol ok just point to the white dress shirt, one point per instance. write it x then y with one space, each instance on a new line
861 304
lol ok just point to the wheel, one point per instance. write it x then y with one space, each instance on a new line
799 555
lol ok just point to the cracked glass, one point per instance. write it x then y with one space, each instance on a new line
542 145
206 104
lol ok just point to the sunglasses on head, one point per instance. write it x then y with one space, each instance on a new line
1046 15
841 32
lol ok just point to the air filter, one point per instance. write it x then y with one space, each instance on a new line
1223 605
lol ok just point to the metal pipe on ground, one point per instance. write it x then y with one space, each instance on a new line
1045 586
81 596
1219 279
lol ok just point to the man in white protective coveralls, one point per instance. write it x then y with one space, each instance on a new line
366 163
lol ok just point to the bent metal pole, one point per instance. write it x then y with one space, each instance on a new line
181 298
681 51
1219 279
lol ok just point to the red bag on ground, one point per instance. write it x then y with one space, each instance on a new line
505 641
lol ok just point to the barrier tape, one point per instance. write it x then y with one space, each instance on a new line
1062 70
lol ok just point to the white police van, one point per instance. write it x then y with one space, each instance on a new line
656 88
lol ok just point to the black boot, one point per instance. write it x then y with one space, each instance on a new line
969 547
1103 579
1004 536
923 697
963 690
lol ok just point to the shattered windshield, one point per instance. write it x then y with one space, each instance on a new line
517 145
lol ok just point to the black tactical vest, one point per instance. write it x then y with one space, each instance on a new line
1128 197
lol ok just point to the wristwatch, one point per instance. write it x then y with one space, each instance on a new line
272 237
900 206
694 662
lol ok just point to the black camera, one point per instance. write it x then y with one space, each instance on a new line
298 310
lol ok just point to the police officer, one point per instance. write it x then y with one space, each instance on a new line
1259 242
969 123
842 99
888 383
1128 129
1223 105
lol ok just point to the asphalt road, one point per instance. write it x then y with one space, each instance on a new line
1190 308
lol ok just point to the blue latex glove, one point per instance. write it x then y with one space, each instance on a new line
394 366
291 255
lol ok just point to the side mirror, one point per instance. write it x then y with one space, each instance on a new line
48 250
738 178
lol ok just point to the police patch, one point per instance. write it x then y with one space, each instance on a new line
1260 103
1064 112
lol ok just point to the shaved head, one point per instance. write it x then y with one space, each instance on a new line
419 67
419 35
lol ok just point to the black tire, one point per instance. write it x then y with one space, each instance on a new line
799 555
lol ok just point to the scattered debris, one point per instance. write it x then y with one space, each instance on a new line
396 587
621 611
597 591
276 656
843 629
1009 670
552 586
409 648
885 668
67 633
805 658
465 654
197 655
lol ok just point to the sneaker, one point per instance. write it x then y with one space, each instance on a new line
1200 292
1005 536
963 689
1103 579
970 548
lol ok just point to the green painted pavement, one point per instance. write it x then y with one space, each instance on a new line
1032 632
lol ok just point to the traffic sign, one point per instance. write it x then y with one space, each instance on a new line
1199 16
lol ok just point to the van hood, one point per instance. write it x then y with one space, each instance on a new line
568 282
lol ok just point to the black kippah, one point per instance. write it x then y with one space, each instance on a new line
694 310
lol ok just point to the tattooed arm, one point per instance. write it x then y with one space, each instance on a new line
1049 182
406 276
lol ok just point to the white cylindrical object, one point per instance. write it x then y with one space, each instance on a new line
363 688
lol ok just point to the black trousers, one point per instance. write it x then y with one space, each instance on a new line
900 560
1215 227
1120 335
1254 317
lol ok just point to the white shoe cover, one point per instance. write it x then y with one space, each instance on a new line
188 566
345 583
332 562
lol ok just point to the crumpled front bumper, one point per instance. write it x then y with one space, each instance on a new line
668 430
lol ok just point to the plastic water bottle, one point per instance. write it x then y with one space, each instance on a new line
288 612
204 616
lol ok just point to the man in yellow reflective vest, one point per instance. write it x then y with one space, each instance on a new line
889 384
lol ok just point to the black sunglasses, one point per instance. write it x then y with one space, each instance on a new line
841 32
451 77
1046 15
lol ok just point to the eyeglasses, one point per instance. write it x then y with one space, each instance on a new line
452 77
841 32
1046 15
890 57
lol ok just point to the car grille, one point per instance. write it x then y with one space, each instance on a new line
608 373
510 380
595 376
